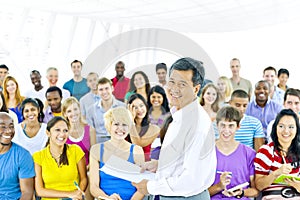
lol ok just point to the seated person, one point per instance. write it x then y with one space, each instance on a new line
279 157
59 165
229 152
16 164
118 123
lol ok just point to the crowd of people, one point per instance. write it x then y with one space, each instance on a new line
199 137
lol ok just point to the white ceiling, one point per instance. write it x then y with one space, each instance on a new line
198 16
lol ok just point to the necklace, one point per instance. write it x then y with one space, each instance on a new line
55 156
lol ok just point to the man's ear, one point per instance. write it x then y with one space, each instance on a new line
197 88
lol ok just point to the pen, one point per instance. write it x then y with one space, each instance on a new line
78 188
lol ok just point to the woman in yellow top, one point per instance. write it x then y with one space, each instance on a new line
59 166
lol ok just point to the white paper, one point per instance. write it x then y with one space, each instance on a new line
123 169
238 187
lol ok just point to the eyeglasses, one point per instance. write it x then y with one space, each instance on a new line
282 127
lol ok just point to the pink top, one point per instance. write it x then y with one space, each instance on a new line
84 143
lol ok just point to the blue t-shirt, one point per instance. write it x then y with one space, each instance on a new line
15 164
77 89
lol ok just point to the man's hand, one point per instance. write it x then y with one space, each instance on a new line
141 187
150 166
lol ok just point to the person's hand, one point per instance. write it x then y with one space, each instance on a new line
149 166
132 110
232 193
225 179
115 196
76 194
284 169
294 183
141 187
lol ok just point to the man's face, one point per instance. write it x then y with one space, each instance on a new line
180 90
92 81
161 74
120 70
240 104
54 101
52 77
76 68
227 130
262 92
105 91
235 67
270 76
292 102
7 130
35 79
3 73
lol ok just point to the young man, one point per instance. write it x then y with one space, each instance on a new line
39 90
94 115
3 73
187 161
237 81
276 94
161 72
16 164
229 153
262 107
92 97
77 85
54 98
120 82
250 132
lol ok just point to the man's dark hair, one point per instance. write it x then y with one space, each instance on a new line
75 61
35 72
270 68
185 64
239 94
52 89
230 114
120 63
161 66
283 71
291 92
4 67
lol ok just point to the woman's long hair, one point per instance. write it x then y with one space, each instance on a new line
63 158
36 104
215 105
145 121
293 153
4 107
165 105
18 96
147 83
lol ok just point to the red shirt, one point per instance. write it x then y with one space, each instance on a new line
121 87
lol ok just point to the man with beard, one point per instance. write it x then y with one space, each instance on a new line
16 164
120 82
39 90
262 107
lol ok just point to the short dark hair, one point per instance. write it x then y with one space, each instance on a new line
185 64
120 63
161 66
230 114
262 81
283 71
239 94
4 67
52 89
291 92
35 72
270 68
75 61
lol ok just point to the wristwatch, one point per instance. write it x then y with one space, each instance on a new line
240 195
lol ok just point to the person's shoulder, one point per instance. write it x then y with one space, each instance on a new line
247 149
250 119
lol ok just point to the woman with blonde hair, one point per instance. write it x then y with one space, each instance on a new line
118 122
209 99
12 96
225 90
80 132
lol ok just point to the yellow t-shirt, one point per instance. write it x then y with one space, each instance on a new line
57 114
59 178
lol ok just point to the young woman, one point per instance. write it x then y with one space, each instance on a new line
12 96
59 165
209 99
230 152
158 106
139 83
3 108
282 156
142 133
31 133
225 90
118 123
80 133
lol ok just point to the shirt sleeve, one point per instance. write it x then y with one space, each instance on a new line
26 166
78 152
259 132
263 160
